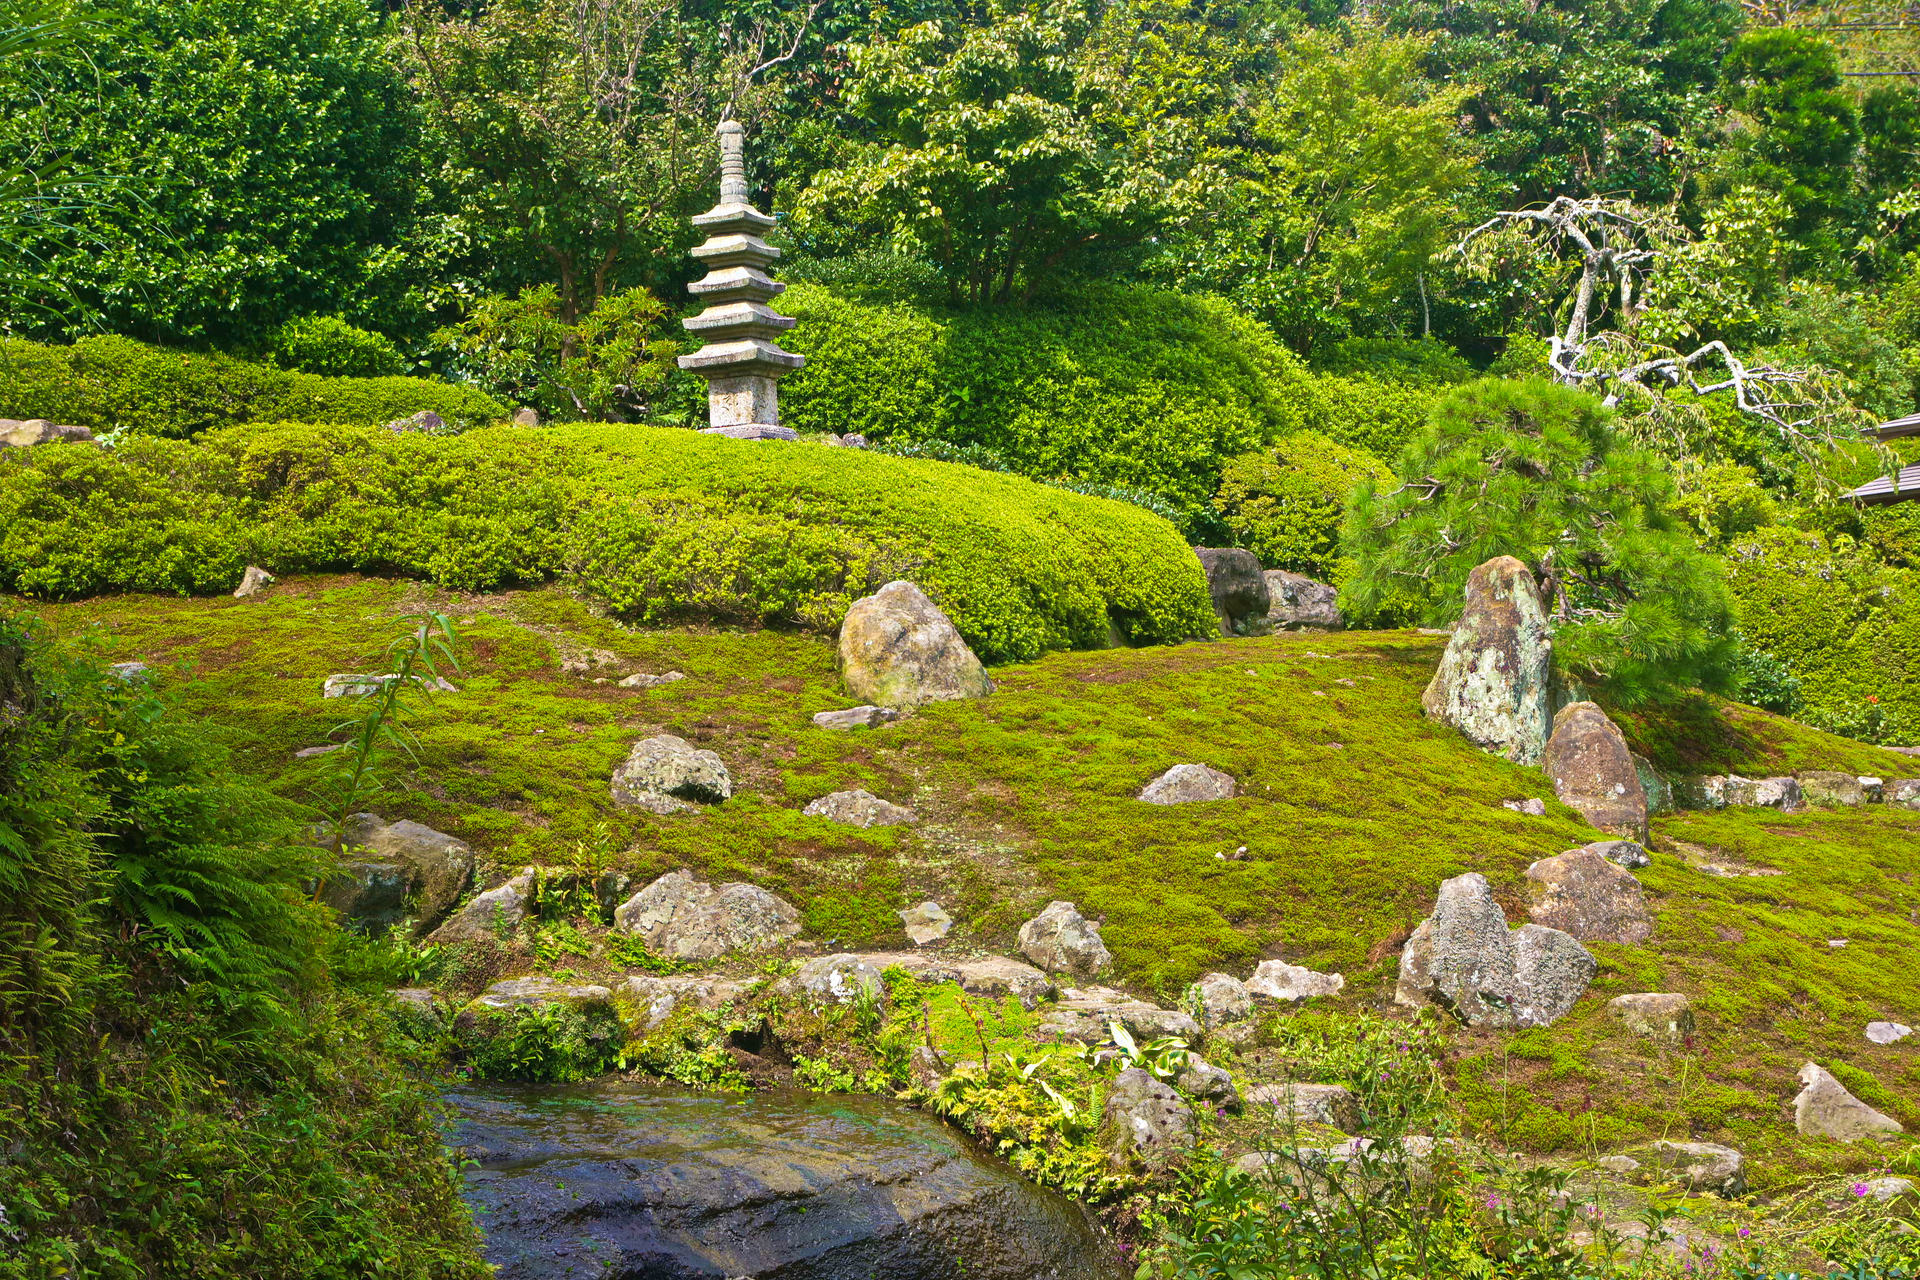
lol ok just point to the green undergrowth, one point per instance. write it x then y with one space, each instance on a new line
1351 809
660 525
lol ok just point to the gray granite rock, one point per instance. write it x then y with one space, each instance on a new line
897 649
1592 771
1297 603
859 809
22 433
641 680
667 774
1278 980
1238 587
1061 940
1825 1109
368 895
1626 853
646 1000
1143 1121
1218 999
1583 893
926 923
1699 1166
491 916
683 919
1831 789
1492 682
1887 1032
1904 792
1085 1013
990 977
841 979
868 717
440 866
1665 1016
1465 959
1551 972
1332 1105
254 581
1768 793
1532 807
1187 784
539 991
348 684
1208 1083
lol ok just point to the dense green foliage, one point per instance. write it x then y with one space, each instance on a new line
1536 471
329 346
609 364
1286 504
658 524
110 383
184 1088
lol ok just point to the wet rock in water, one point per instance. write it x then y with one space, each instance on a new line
859 809
667 774
1659 1015
1278 980
897 649
1144 1122
1825 1109
1220 998
1061 940
1492 682
925 924
1238 587
1187 784
627 1180
1585 894
683 919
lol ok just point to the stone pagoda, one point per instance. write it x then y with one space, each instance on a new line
741 361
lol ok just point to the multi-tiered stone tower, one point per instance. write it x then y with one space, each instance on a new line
741 361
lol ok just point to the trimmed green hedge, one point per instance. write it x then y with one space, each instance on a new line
1118 384
661 524
1844 625
110 382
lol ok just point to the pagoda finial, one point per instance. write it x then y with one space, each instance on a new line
741 361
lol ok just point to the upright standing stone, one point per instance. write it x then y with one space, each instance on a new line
741 361
1492 683
1592 771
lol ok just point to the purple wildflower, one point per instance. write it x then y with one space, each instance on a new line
1859 1188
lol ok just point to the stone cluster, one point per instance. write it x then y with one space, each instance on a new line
741 361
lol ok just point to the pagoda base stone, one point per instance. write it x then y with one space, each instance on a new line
752 431
742 400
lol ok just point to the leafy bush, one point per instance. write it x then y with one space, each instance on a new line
1286 503
545 1044
607 365
1118 385
659 524
332 348
111 383
1399 359
1536 471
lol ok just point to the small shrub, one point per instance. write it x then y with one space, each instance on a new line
545 1044
1286 503
332 348
608 365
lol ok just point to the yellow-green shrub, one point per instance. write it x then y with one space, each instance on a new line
1285 503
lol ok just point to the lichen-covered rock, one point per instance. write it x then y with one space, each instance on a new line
537 992
1764 793
1187 784
859 809
1061 940
1278 980
368 895
683 919
1297 603
1208 1083
1699 1166
1666 1016
1592 771
1085 1013
644 680
1654 783
1144 1121
1332 1105
863 717
1492 683
440 866
897 649
1700 791
667 774
252 582
1465 959
1585 894
841 979
926 923
491 916
1238 587
991 977
1626 853
1825 1109
646 1000
1830 789
1219 998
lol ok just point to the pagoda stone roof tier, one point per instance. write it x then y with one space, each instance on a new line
740 358
738 320
735 284
736 251
731 219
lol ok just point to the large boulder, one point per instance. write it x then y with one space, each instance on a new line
1465 959
491 916
1297 603
1585 894
1825 1109
1592 771
1061 940
1493 680
1238 587
668 774
1144 1121
18 433
439 866
368 895
683 919
1292 983
898 650
1763 793
1188 783
859 809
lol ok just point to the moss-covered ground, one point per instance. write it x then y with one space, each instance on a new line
1351 810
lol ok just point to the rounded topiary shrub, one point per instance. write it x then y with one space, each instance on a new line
329 346
1286 503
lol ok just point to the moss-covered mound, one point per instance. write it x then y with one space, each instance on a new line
658 524
113 383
